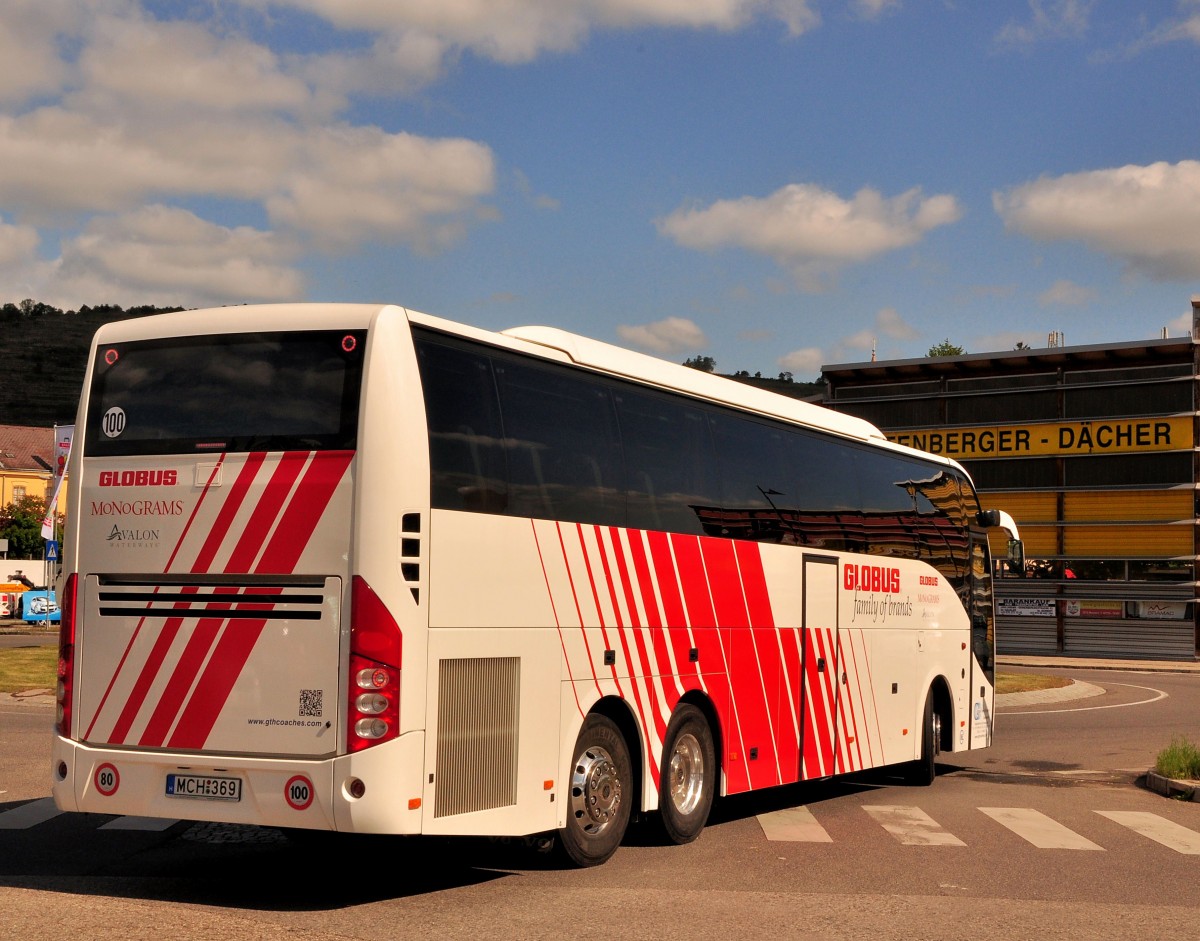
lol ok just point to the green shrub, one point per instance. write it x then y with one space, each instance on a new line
1180 759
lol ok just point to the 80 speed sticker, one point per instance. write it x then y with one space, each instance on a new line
106 779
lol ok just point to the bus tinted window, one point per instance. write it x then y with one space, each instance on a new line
466 440
669 461
513 435
239 392
564 455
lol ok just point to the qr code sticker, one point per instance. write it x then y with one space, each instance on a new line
311 702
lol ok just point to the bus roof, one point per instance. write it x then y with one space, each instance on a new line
649 369
547 342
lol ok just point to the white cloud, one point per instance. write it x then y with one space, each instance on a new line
873 9
361 183
59 160
30 63
111 115
139 65
1185 28
1055 19
537 200
810 231
18 245
671 335
856 347
1066 293
805 364
340 184
165 256
515 31
1146 217
893 326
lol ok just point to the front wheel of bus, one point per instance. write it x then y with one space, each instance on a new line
688 775
601 794
924 769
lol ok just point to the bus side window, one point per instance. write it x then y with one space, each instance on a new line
564 453
668 461
466 457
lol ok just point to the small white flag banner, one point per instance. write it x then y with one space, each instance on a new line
63 435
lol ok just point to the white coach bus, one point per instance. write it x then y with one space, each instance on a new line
357 568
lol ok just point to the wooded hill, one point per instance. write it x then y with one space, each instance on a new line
45 354
46 349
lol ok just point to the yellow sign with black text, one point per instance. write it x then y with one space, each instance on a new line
1053 439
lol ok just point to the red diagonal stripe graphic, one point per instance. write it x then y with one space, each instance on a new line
635 630
141 686
229 509
168 705
554 610
287 544
137 630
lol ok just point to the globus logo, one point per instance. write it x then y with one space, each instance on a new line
871 578
139 478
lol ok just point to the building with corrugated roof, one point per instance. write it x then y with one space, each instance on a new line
1093 450
27 456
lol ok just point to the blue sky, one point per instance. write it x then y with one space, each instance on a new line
778 184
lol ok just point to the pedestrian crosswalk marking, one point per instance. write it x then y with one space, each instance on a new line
39 811
28 815
140 823
1169 834
1036 828
912 826
794 824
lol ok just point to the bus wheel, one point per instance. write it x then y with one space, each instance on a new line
601 794
924 769
689 775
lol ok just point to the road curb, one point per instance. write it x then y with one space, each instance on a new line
1170 787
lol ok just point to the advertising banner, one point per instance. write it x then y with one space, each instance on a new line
1093 609
1053 439
1025 607
63 435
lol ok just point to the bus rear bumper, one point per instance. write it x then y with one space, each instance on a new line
273 792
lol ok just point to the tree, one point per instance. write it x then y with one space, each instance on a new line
946 348
21 525
703 363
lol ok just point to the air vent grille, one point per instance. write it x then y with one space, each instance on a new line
478 715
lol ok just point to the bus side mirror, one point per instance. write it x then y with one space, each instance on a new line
1016 556
988 518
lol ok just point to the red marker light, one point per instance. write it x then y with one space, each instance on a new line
349 343
111 356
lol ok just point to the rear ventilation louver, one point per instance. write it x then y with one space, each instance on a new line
410 553
478 713
264 599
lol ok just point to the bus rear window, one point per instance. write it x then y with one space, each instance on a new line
236 392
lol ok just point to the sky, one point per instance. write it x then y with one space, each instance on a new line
776 184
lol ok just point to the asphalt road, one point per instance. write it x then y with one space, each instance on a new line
1044 835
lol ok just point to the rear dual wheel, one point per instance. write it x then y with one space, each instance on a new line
601 794
688 777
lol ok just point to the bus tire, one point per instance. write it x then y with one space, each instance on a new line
688 777
923 771
601 794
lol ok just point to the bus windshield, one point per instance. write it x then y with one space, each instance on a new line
237 392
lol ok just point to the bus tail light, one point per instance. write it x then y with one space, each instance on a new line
373 690
66 656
